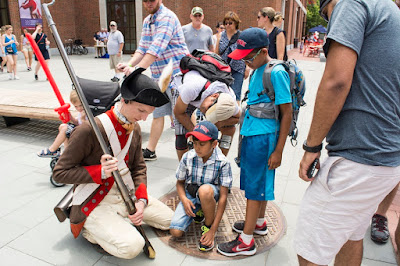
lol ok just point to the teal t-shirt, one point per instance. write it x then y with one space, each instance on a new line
253 126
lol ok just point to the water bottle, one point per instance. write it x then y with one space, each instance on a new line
47 47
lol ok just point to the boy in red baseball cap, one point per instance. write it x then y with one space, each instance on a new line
204 177
263 140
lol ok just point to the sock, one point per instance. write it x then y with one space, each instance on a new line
260 221
246 238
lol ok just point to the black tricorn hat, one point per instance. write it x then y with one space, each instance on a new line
142 89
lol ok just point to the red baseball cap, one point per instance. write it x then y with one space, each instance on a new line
249 40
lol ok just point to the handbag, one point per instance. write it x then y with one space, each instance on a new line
9 49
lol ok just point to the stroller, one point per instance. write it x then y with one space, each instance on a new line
101 96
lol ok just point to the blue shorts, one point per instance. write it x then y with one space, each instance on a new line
255 178
166 109
181 220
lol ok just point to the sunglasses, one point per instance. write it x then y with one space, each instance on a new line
197 15
228 23
112 25
252 59
152 1
221 28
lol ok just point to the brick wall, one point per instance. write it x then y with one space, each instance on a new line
74 19
79 19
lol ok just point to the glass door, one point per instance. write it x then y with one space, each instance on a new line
123 12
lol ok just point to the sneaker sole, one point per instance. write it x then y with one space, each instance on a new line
246 253
205 249
379 240
150 159
261 233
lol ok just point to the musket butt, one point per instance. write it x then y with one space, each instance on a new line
152 253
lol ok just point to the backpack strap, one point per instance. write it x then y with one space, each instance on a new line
208 83
266 79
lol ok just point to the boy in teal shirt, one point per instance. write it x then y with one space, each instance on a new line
263 141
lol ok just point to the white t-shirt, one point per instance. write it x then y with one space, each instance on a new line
192 85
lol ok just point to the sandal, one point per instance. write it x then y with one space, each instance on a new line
46 153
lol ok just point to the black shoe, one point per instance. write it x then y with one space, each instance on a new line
100 250
205 229
379 229
36 77
115 79
237 247
199 216
259 230
149 155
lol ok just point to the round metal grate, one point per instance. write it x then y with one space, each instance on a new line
235 210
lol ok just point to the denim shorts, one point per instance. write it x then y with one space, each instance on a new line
181 220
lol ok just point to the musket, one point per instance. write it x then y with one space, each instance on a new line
148 248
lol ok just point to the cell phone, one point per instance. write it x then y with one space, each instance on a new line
311 169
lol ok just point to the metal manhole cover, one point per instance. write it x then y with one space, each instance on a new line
235 210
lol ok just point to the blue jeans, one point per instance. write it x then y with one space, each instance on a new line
181 220
237 84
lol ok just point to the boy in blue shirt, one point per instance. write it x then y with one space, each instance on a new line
263 141
204 178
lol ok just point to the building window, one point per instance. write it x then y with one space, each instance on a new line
4 15
123 12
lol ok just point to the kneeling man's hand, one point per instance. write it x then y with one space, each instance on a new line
137 218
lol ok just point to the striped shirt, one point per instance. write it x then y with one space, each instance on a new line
216 170
162 37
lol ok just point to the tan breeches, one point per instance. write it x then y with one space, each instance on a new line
108 225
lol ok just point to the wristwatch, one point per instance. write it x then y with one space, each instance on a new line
313 149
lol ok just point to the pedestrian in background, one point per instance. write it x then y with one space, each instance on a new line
44 46
197 35
3 56
9 41
226 44
277 44
357 109
115 45
26 50
162 40
220 28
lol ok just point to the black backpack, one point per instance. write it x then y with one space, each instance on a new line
209 65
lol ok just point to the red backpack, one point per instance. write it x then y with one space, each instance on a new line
209 65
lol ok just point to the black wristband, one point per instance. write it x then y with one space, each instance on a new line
314 149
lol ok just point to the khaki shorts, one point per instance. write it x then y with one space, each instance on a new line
27 48
338 206
115 60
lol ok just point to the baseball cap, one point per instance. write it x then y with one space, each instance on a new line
224 108
113 23
197 10
203 131
322 5
249 39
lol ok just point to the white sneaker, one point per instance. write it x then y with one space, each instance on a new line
16 77
11 77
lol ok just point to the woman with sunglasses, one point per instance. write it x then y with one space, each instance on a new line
277 45
226 43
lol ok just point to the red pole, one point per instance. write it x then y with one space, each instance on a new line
63 109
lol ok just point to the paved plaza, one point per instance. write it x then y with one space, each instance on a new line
30 233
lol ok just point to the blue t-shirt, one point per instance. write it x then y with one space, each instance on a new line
253 126
367 129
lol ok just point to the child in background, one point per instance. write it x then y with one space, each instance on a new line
263 141
65 130
204 178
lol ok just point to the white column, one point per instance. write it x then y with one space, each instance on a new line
139 20
103 14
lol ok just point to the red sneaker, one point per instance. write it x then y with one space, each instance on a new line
237 247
